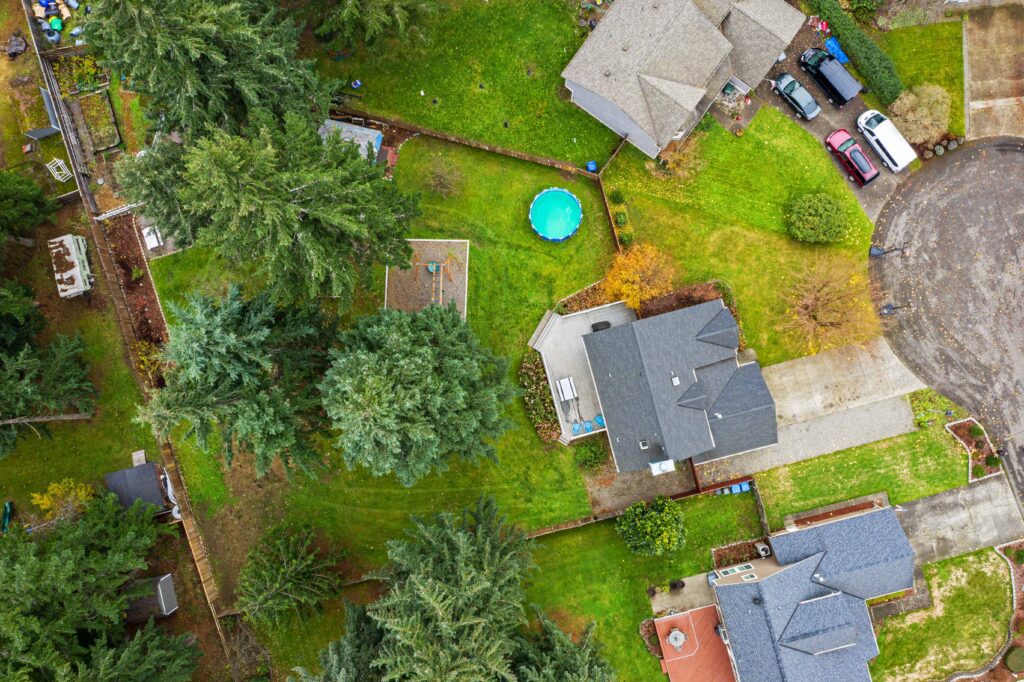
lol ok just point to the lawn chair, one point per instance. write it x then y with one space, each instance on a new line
600 420
588 426
576 428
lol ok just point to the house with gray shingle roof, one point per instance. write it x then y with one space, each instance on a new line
802 615
652 68
671 388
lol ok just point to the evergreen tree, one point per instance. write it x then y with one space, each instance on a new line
409 391
38 386
284 573
247 371
306 212
349 659
154 180
552 656
23 205
204 63
63 593
20 319
349 22
454 598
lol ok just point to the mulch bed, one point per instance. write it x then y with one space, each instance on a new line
584 299
134 279
980 448
825 516
411 289
738 553
681 298
649 633
99 120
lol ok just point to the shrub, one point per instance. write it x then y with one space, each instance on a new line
1018 557
137 273
444 178
591 454
817 218
148 362
992 461
626 238
537 396
616 196
639 274
976 431
621 218
652 529
922 114
63 499
864 10
876 67
1015 660
977 471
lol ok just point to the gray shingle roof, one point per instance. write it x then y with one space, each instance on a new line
663 61
659 382
141 482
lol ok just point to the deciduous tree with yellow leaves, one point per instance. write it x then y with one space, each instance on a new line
638 275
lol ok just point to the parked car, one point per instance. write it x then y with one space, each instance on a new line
796 96
839 86
851 157
892 148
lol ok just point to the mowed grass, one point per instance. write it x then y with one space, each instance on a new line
931 54
516 50
588 575
89 449
726 220
961 631
916 464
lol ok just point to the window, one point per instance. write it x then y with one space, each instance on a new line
749 576
874 121
860 161
735 569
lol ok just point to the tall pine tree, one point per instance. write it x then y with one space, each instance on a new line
154 180
23 205
245 370
205 63
351 658
349 22
407 392
306 212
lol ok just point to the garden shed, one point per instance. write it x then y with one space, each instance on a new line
70 265
140 482
159 601
364 137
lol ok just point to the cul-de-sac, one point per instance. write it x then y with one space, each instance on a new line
512 340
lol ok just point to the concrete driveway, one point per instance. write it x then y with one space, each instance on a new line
983 514
873 197
995 71
962 217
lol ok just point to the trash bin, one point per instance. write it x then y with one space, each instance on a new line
592 166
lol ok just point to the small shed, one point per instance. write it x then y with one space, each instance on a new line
364 137
70 265
159 601
44 132
140 482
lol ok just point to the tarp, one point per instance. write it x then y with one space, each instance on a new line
832 45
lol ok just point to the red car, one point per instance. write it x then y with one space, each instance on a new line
851 157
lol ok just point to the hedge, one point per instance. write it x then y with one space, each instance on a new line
873 64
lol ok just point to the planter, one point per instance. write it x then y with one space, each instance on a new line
973 437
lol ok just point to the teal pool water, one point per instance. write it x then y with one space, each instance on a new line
555 214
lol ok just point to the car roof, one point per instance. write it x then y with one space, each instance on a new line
838 137
841 80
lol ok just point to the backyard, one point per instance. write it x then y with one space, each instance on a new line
916 464
726 218
489 72
962 630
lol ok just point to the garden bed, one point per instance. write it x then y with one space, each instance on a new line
99 121
134 279
1015 555
736 553
79 73
984 458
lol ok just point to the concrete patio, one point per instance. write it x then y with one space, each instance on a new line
559 340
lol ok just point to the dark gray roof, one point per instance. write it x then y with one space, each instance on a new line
673 382
663 62
867 555
158 601
787 628
141 482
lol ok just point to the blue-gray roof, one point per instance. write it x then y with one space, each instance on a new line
867 555
673 381
809 621
140 482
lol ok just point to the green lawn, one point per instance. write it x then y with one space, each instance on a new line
963 629
727 220
515 49
81 450
931 54
588 575
916 464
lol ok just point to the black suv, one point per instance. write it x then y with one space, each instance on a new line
832 76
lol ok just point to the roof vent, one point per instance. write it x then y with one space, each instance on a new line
644 445
757 601
607 72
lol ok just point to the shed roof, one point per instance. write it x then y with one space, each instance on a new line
353 133
140 482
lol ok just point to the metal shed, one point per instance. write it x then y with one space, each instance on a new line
160 600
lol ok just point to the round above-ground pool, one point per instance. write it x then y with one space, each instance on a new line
555 214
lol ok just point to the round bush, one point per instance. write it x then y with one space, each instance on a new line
977 471
652 529
976 431
621 218
817 218
616 196
992 461
1015 660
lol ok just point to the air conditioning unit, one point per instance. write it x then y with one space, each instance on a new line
763 549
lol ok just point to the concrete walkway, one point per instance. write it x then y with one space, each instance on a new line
983 514
995 71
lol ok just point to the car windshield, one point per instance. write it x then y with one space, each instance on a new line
790 87
875 121
817 57
860 161
846 145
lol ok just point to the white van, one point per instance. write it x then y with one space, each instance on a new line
895 152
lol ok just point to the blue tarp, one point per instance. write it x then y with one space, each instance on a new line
832 45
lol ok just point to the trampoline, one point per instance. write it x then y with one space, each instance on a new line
555 214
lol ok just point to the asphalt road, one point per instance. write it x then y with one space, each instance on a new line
962 217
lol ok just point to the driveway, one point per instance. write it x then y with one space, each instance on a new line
995 71
983 514
962 217
873 197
